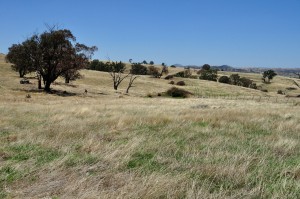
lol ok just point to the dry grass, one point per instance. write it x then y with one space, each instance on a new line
102 146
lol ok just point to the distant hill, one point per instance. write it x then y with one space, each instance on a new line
288 72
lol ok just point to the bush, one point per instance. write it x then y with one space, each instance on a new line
177 92
171 82
153 71
210 75
179 74
234 79
181 83
173 66
169 77
245 82
138 69
280 92
224 79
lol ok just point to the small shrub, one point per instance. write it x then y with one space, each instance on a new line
171 82
180 83
280 92
177 92
169 77
179 74
264 90
245 82
173 66
149 95
224 79
158 94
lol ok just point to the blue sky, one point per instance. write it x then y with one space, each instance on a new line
240 33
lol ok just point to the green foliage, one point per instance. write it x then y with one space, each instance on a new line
210 75
177 92
184 74
179 74
52 54
234 79
116 67
145 62
138 69
224 79
98 66
268 75
206 67
151 62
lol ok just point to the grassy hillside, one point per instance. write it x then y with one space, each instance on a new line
110 145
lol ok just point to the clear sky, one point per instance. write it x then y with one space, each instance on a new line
240 33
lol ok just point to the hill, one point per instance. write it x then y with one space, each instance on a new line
111 145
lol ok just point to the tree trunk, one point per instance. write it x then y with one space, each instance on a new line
115 87
67 80
47 86
39 83
21 73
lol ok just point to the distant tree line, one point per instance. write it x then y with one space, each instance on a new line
136 68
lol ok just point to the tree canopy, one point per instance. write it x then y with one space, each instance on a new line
52 54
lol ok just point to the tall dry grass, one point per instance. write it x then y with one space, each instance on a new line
98 145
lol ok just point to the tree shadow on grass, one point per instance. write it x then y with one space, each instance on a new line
53 92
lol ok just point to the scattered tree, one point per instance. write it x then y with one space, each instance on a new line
54 53
18 55
210 75
116 70
206 67
163 64
224 79
131 80
268 76
145 62
151 62
130 60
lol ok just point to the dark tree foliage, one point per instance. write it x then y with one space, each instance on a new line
224 79
268 75
138 69
18 55
54 53
99 66
206 67
145 62
210 75
151 62
234 79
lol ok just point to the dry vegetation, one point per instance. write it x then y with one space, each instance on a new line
108 145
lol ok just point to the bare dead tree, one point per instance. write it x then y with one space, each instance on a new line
131 80
116 70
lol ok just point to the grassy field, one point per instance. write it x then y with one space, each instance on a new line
105 144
